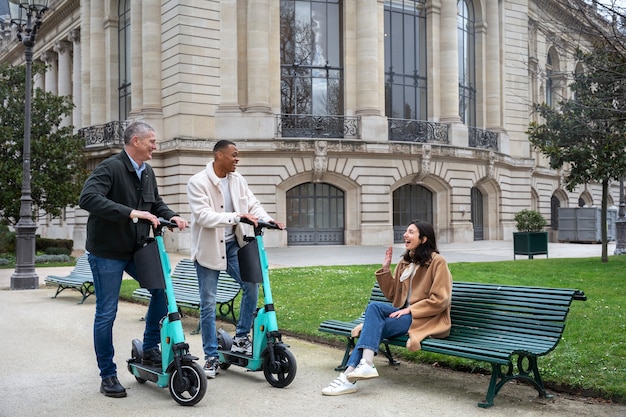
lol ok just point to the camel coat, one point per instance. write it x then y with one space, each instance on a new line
431 292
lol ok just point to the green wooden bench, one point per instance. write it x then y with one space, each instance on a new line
187 293
507 326
79 279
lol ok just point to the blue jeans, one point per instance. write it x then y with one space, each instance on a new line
207 283
107 280
377 326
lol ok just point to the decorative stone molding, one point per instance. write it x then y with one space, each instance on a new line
425 166
320 162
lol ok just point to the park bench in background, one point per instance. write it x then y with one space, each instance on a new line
79 279
187 293
507 326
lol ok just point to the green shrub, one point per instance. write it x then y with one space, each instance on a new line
529 221
7 239
57 251
42 244
42 259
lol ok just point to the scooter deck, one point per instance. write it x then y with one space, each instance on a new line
240 359
147 372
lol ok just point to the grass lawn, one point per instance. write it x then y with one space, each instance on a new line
591 357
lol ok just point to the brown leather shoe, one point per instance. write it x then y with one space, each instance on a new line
111 387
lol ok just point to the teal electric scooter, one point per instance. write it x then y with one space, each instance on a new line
269 353
185 378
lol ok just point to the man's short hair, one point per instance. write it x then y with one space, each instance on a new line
222 144
136 128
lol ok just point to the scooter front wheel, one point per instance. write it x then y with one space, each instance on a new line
282 370
188 387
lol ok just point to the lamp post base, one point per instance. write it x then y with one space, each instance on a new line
25 277
620 231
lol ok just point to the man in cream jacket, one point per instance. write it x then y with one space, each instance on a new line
219 197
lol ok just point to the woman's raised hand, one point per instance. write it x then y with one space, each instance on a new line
387 260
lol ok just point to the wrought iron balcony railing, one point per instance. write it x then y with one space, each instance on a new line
108 134
408 130
311 126
482 138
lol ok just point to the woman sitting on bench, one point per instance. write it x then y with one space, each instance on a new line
420 290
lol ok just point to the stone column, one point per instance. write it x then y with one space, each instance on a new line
50 58
370 70
85 64
97 64
229 122
450 64
258 57
367 58
136 69
228 59
151 55
64 87
74 37
493 84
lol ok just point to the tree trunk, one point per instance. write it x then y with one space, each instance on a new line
603 223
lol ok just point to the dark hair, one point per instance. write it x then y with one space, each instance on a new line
222 144
135 128
423 252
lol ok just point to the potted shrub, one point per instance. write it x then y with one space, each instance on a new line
530 239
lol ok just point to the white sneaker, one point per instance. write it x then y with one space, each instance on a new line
211 367
339 386
363 371
242 344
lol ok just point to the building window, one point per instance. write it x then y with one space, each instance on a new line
315 215
405 60
551 69
311 57
467 62
410 202
124 59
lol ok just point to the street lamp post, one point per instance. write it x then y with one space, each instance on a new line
620 224
26 16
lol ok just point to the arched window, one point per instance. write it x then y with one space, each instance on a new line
311 57
555 204
467 62
315 215
553 94
405 59
410 202
124 97
477 213
549 86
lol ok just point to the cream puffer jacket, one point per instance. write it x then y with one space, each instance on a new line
208 218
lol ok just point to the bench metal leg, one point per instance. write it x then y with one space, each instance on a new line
59 289
527 370
387 352
346 355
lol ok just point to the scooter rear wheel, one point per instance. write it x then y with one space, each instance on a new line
136 352
282 371
188 387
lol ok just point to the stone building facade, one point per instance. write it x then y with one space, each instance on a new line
352 117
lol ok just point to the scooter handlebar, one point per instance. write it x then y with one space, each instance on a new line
260 224
162 223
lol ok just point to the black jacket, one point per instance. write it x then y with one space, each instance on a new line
110 193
